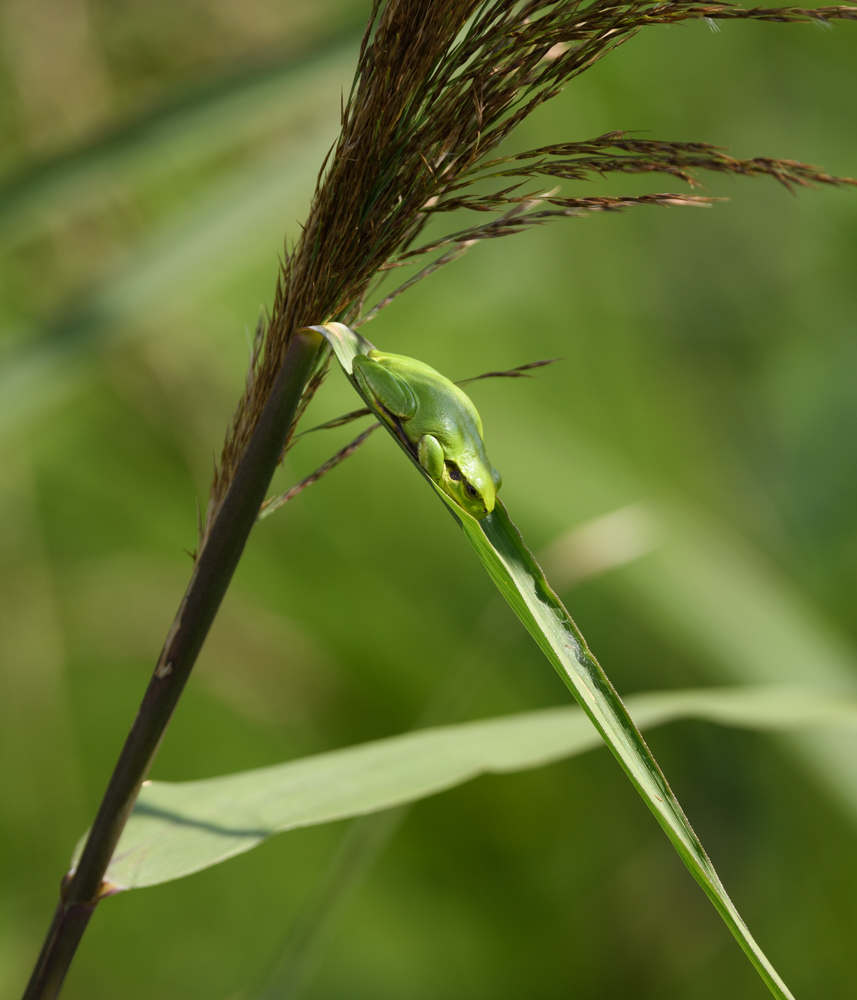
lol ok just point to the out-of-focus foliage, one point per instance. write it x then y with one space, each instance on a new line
709 372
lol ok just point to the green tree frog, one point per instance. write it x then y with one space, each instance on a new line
438 421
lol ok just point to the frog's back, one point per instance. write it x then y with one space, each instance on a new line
434 399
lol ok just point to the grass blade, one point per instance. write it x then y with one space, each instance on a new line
178 828
707 590
516 574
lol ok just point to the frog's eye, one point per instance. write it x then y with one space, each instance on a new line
470 491
454 473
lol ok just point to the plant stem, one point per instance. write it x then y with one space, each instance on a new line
216 563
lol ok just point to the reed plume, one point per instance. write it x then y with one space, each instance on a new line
438 88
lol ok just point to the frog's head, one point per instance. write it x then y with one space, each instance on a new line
474 487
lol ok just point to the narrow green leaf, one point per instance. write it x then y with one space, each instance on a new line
518 577
180 828
709 591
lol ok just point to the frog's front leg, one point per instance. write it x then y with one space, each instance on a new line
431 456
383 387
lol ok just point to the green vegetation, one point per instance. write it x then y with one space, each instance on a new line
684 475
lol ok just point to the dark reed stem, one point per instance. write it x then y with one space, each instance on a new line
216 563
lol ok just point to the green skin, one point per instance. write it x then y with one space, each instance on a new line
438 420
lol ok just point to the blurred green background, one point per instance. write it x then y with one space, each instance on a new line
152 157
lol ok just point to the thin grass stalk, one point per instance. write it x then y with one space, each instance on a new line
213 570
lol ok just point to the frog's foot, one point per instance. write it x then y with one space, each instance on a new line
430 455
